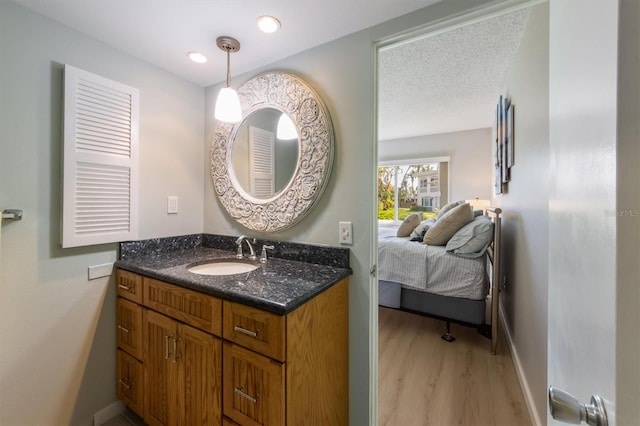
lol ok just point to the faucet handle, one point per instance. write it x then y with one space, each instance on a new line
263 255
239 253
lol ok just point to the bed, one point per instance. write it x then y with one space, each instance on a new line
429 280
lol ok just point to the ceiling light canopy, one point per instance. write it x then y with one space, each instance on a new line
228 107
268 24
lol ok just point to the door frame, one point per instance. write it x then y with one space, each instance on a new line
439 26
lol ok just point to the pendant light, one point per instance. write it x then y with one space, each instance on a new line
228 107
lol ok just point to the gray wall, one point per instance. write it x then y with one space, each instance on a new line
60 357
525 205
57 357
342 72
470 163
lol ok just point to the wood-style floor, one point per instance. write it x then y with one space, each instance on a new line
423 380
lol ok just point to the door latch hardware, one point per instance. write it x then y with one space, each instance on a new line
566 408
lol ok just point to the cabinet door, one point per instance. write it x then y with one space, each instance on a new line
129 285
129 381
159 332
253 387
129 333
199 361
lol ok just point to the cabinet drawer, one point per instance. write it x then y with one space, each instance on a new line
129 381
253 387
129 332
197 309
129 285
255 329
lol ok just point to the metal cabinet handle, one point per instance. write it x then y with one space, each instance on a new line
245 395
166 347
245 331
175 350
124 384
124 287
126 330
566 408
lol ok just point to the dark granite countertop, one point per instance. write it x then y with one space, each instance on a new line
279 285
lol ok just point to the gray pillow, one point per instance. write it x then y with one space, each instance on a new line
444 228
409 224
422 228
472 239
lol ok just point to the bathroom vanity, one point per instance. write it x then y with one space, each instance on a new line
265 347
205 338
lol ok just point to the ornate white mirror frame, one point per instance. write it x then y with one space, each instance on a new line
291 95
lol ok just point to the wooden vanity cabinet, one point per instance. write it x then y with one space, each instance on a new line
129 285
207 361
129 332
169 359
130 381
182 373
290 369
129 364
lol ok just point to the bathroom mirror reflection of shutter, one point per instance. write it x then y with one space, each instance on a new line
100 182
261 167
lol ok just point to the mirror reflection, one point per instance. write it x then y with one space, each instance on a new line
264 158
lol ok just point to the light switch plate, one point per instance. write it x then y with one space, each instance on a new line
172 204
345 230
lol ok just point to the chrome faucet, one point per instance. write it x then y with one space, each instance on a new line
239 241
263 255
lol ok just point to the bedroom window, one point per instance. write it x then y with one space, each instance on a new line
409 186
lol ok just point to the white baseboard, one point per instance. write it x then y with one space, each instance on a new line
524 384
108 412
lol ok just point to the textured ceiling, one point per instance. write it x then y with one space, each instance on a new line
447 82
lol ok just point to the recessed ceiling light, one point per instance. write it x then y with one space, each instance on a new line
197 57
268 24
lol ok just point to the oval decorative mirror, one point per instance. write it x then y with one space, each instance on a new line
268 181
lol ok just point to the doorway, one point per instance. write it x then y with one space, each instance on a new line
414 124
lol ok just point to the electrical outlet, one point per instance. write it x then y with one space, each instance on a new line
345 230
172 204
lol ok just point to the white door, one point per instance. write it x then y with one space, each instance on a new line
586 249
261 160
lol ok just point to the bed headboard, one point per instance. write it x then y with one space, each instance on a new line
494 252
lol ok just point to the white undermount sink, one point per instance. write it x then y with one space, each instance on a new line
226 267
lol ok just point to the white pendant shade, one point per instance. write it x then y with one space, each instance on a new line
228 107
286 129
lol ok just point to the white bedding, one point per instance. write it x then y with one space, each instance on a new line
429 268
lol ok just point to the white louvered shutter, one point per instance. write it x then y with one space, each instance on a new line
100 188
261 172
